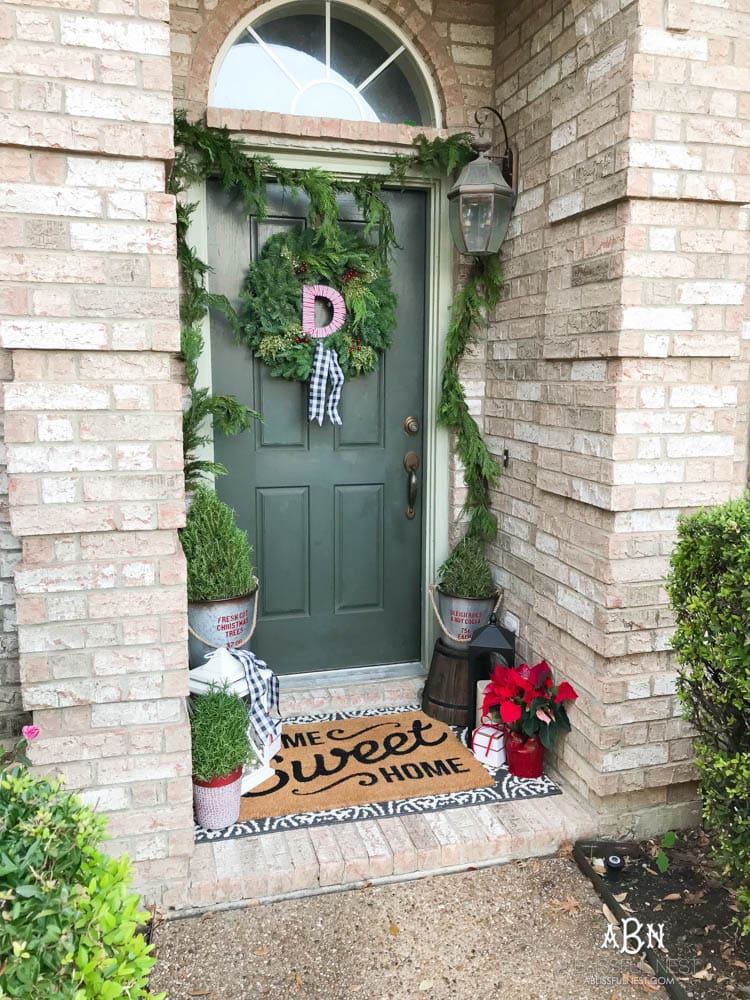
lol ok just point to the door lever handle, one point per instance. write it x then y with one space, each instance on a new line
411 464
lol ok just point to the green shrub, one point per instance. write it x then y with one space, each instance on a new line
67 921
218 721
466 572
709 589
217 551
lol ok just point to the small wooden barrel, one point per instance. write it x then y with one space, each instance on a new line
450 691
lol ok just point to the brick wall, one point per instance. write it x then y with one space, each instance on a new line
92 404
617 365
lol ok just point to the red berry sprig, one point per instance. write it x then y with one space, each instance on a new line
302 340
350 274
300 267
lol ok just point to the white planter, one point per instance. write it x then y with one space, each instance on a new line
217 802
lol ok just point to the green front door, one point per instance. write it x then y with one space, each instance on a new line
324 507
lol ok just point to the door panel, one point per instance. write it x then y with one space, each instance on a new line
359 548
276 399
365 423
283 544
324 507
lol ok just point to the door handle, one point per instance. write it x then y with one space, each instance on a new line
411 464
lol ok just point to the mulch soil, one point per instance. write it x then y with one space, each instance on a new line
691 899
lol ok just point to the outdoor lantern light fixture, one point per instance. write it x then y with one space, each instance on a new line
483 197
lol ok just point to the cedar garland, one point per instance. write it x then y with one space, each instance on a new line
204 152
479 295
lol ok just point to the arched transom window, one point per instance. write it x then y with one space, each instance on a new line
326 58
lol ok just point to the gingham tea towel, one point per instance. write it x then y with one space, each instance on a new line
325 366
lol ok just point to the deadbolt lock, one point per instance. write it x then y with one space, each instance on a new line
411 426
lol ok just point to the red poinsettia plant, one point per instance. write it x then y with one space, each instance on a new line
529 702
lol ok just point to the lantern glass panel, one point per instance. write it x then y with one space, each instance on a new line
502 215
476 221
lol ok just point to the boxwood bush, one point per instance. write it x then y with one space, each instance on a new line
68 923
709 588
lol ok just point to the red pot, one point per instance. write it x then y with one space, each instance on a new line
525 759
221 780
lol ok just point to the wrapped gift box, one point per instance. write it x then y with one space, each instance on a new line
488 745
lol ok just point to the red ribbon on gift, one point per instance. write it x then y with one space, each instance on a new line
496 735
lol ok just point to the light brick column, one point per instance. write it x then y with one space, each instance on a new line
620 359
93 414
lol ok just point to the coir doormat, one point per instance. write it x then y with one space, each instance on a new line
371 764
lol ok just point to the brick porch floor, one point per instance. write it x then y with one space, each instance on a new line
336 857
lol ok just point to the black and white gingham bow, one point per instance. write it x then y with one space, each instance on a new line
325 365
263 686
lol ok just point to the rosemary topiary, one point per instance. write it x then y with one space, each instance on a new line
466 572
218 722
217 551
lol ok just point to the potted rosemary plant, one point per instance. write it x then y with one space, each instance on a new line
467 594
221 748
221 585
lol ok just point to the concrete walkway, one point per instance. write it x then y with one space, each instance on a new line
528 930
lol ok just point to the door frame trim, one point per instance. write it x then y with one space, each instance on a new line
438 298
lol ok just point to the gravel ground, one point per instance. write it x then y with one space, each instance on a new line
530 930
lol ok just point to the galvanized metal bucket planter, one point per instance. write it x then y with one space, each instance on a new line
213 624
458 617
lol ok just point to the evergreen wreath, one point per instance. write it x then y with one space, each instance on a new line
271 312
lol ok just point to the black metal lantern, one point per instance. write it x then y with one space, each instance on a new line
489 643
481 201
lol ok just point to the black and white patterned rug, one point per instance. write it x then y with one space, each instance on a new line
507 788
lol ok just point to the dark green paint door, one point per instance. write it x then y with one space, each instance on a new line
324 507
